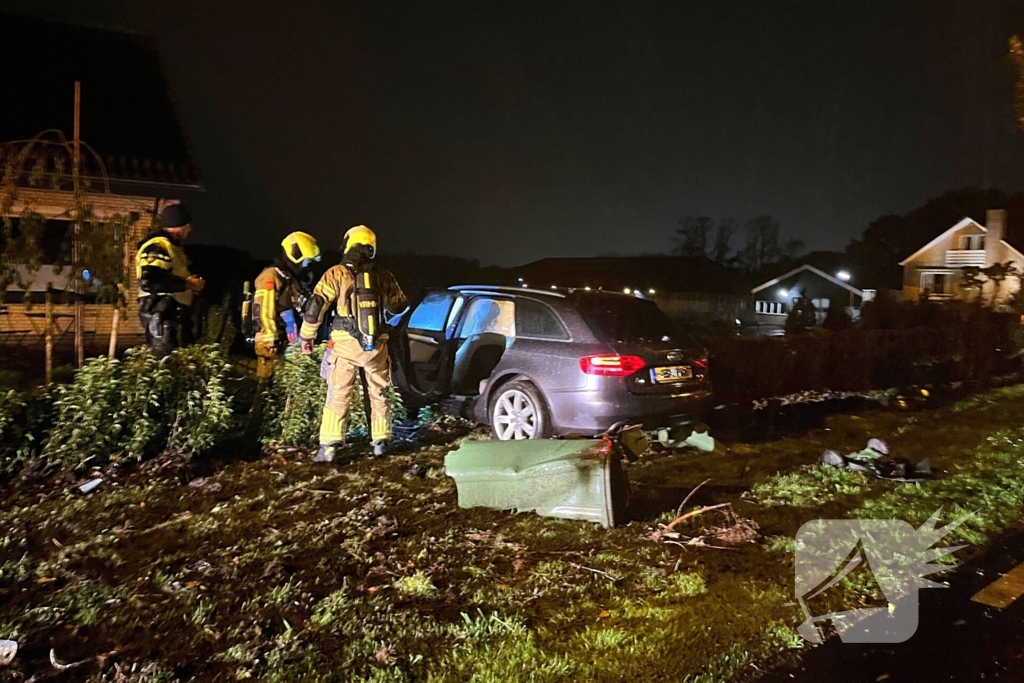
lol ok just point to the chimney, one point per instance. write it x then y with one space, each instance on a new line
995 223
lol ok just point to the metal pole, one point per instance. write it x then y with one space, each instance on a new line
76 249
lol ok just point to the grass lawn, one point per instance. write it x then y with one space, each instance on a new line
284 570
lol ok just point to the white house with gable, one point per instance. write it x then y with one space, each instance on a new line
935 271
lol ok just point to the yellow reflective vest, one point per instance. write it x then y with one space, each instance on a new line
162 269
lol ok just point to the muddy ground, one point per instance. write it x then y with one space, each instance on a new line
278 569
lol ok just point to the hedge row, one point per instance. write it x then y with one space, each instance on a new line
114 412
969 349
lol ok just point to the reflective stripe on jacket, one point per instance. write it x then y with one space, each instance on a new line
162 269
335 287
275 294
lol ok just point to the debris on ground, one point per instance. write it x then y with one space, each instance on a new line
64 667
698 438
567 478
876 461
731 531
90 485
206 484
8 650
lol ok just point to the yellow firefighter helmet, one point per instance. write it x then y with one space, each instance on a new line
360 234
301 249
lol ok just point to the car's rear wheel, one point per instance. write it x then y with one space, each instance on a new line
518 411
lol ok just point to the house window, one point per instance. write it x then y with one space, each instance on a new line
937 283
770 307
973 242
821 304
52 237
869 294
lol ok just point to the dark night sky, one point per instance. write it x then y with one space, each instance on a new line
508 132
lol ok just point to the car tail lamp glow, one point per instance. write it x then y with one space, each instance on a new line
612 365
700 368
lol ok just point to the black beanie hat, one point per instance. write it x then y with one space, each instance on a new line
174 216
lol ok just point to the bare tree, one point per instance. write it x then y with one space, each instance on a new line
762 246
723 240
692 235
793 248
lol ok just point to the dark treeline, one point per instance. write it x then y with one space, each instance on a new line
873 259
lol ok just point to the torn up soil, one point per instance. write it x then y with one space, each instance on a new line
279 569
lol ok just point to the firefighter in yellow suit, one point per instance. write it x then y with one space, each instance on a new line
361 293
166 285
280 296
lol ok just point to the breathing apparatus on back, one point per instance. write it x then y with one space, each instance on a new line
365 307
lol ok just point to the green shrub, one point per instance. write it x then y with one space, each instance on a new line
197 399
291 407
140 407
25 418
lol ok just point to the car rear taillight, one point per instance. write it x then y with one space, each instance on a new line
700 368
611 366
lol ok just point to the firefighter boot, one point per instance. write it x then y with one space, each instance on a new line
328 451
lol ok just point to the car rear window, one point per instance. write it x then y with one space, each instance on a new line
537 320
623 319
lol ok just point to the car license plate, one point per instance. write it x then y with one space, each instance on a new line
673 373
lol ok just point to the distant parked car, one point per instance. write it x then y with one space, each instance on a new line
535 363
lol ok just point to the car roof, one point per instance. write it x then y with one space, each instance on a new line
559 293
500 289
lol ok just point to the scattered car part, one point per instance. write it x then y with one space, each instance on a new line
701 440
8 650
634 441
569 479
876 461
90 485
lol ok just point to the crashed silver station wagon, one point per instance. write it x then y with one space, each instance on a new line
535 363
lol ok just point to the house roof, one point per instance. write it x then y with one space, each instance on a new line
1013 249
128 115
963 223
808 267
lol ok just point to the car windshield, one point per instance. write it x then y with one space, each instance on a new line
623 319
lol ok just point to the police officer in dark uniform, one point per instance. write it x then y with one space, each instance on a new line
166 285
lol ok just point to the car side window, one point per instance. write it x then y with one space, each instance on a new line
432 313
536 320
497 316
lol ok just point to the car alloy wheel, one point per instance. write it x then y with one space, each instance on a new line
515 416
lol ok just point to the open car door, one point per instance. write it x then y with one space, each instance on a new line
421 347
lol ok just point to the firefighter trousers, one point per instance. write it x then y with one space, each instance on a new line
341 370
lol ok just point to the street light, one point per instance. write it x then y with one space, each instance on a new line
627 290
843 275
650 291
